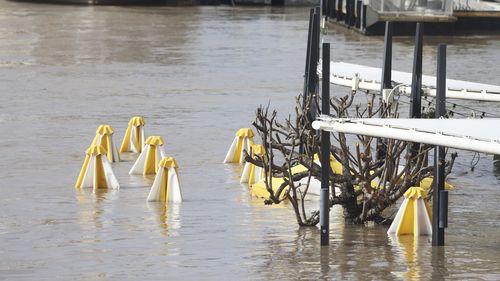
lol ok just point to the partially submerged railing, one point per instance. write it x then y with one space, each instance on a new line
356 81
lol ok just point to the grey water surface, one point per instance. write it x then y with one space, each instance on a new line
197 74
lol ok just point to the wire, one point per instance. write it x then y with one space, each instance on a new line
455 105
474 161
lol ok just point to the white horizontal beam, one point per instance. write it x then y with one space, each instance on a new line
368 79
406 133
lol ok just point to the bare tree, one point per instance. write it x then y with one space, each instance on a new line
367 185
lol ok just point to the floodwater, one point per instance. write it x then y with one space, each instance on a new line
197 74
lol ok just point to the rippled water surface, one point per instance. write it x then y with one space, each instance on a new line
197 74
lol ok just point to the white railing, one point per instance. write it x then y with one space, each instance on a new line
413 7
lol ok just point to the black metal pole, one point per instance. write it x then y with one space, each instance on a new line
352 19
333 9
306 70
308 54
324 213
385 80
359 4
313 65
340 14
347 17
363 17
439 213
387 65
416 80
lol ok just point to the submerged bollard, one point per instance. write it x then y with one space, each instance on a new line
413 216
166 186
150 157
242 141
134 136
252 173
324 213
438 209
104 137
96 170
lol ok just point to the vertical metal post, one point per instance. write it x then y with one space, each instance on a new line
363 17
387 65
346 16
306 71
313 63
385 80
439 172
321 11
352 21
308 54
333 7
339 10
416 80
324 213
359 4
348 11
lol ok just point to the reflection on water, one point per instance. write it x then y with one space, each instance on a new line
196 74
93 205
408 247
168 216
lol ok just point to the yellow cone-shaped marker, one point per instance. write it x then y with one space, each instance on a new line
426 183
150 157
134 136
96 171
243 140
414 215
166 186
334 164
104 138
251 173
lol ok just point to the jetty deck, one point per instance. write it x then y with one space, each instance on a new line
441 17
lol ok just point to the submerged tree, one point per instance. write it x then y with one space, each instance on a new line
365 187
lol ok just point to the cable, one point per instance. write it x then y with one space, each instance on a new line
472 163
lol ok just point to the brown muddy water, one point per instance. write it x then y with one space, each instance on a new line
197 74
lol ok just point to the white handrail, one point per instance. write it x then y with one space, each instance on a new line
384 129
